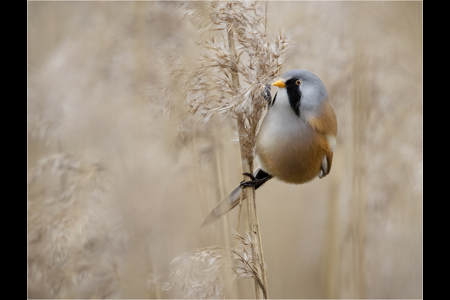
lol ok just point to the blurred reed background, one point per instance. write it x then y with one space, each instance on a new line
119 180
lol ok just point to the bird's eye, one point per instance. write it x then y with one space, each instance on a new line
298 82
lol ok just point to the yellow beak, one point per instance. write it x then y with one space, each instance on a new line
279 83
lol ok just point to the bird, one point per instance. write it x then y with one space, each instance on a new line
296 139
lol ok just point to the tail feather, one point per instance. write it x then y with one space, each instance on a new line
233 199
224 206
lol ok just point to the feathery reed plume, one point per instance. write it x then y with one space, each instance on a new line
199 274
66 204
235 66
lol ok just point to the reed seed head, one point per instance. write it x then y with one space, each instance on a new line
199 274
236 63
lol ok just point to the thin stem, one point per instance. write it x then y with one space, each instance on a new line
247 166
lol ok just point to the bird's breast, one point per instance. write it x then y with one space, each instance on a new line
288 147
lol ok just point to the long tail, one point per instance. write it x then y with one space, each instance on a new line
232 200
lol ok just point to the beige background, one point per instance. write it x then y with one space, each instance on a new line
120 180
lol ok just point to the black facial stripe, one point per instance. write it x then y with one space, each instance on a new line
294 95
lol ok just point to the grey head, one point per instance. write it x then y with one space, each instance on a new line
307 94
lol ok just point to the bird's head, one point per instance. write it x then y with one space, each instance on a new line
305 90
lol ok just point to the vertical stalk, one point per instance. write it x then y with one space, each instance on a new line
249 193
358 225
253 223
333 251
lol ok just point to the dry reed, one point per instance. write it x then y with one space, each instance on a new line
200 274
96 93
63 226
235 66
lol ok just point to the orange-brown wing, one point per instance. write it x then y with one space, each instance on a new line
327 122
326 128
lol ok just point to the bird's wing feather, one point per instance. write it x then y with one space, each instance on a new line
327 123
326 126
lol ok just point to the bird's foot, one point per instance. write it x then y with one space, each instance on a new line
249 183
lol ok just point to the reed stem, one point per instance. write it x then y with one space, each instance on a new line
249 193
